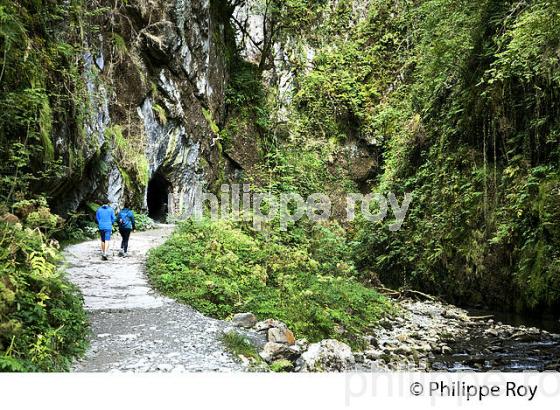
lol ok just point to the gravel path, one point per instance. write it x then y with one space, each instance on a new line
134 329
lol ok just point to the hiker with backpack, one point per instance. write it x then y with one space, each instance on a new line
105 217
126 226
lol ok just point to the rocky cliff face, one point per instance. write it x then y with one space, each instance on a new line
155 77
291 56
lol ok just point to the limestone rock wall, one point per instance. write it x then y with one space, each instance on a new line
155 75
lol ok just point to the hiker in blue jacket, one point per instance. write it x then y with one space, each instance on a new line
105 217
126 225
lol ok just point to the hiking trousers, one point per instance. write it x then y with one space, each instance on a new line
125 234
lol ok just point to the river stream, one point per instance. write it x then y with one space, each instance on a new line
434 336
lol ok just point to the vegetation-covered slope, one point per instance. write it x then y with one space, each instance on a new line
304 279
454 101
458 102
42 322
472 130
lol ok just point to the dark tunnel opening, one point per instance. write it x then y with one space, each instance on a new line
158 192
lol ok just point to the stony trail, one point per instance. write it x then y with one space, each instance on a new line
133 328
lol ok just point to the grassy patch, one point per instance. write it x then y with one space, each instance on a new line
221 269
239 345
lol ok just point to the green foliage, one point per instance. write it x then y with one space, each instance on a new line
210 120
248 113
42 323
41 92
238 344
459 101
160 113
77 227
337 97
120 45
245 87
221 269
144 222
130 158
288 168
245 99
341 96
282 365
473 134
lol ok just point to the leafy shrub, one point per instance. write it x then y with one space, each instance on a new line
220 269
144 222
42 322
281 365
77 227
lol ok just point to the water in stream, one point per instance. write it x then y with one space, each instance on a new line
434 336
507 342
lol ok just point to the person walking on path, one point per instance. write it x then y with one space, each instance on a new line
126 226
105 217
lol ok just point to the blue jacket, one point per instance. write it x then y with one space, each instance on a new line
105 217
126 219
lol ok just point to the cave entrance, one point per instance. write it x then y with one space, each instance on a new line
158 196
